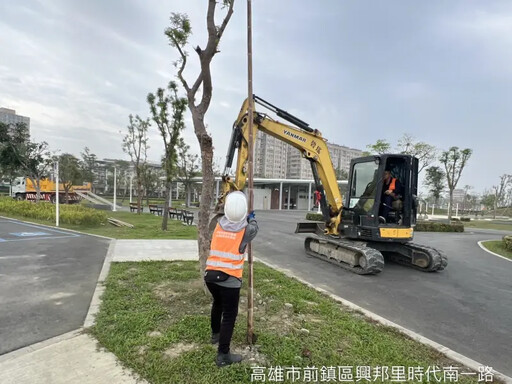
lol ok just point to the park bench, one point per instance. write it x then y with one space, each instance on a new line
172 212
133 207
188 217
153 208
179 214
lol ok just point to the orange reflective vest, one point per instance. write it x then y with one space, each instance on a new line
224 252
392 186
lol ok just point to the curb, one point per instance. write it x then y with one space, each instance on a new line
466 361
491 252
100 287
56 228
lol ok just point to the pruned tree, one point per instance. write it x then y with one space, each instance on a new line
379 147
88 164
178 34
135 144
454 161
341 174
70 173
467 196
435 181
425 153
168 113
500 191
188 167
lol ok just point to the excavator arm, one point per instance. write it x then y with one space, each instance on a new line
299 135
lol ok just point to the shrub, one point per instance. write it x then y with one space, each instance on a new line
438 227
465 219
314 216
507 242
69 214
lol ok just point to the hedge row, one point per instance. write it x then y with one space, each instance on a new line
314 216
507 241
69 214
432 226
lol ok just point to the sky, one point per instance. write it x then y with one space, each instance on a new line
356 70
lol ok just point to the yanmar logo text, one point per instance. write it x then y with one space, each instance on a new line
295 136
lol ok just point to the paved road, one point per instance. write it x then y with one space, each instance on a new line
47 279
467 307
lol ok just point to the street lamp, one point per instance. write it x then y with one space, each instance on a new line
57 193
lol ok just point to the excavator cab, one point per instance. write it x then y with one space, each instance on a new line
369 213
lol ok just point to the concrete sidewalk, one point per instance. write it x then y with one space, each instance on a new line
74 357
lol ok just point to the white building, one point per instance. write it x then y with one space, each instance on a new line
9 116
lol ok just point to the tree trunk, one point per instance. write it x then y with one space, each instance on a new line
495 205
451 205
139 195
165 213
204 234
147 196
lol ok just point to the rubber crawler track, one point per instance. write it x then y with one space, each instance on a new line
375 260
438 260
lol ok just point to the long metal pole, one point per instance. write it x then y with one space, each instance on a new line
250 295
131 187
115 188
57 213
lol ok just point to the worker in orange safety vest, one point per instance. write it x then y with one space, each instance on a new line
391 191
224 268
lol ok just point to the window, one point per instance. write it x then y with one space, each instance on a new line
364 184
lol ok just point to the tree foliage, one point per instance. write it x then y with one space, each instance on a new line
168 113
435 181
189 166
454 161
406 145
135 143
70 173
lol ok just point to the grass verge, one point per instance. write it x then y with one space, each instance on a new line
155 317
489 225
146 227
497 246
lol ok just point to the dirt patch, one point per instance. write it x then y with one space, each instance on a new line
251 355
175 350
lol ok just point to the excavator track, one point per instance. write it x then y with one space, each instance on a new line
437 259
353 256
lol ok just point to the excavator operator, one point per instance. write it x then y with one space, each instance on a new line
392 191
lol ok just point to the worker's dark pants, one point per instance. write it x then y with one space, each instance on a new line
224 312
387 203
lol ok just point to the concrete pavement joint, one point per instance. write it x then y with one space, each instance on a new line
100 287
466 361
491 252
37 346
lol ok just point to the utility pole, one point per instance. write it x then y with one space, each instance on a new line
115 189
131 183
57 194
250 294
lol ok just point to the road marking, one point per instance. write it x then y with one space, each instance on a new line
28 234
491 252
20 256
42 238
41 227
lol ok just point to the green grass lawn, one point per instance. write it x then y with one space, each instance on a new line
146 227
155 317
497 246
488 225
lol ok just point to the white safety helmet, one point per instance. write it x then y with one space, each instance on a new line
235 208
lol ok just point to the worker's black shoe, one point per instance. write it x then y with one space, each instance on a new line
215 338
224 359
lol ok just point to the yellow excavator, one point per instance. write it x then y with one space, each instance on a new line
356 236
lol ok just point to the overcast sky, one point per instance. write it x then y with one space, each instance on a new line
358 71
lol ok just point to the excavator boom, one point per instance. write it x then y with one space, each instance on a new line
352 237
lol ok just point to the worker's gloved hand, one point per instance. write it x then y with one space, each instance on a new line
251 216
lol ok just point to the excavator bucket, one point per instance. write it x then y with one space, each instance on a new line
310 227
